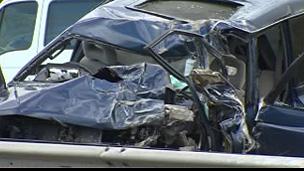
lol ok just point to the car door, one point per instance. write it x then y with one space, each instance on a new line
279 126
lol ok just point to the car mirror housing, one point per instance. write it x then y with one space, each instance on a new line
3 87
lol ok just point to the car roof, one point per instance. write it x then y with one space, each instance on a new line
115 23
256 15
251 16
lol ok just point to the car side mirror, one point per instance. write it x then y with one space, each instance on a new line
3 87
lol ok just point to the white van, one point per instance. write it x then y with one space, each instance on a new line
27 26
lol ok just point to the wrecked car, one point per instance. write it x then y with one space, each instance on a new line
222 77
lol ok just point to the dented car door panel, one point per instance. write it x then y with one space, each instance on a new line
279 122
280 131
282 121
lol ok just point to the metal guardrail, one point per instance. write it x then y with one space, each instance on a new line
15 154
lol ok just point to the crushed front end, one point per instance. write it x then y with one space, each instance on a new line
169 87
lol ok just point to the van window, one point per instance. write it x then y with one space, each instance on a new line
17 26
63 13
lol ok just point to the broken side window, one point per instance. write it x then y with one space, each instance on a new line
55 67
183 53
87 57
97 56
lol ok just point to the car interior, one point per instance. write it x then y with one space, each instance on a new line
98 56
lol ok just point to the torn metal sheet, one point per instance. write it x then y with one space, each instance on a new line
225 108
275 122
284 147
177 130
97 103
181 113
203 78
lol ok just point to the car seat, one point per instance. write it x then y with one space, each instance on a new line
97 56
